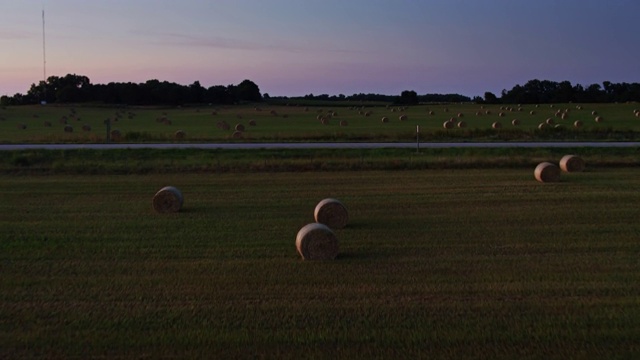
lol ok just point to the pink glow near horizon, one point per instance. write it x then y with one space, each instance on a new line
330 46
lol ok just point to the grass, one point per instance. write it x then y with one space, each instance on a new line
447 263
299 123
150 161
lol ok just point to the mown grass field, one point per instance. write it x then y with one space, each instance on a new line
444 263
361 122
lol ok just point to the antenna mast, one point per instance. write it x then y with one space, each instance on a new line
44 61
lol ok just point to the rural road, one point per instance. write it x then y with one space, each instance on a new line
315 145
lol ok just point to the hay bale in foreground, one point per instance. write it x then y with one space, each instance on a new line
317 242
332 213
496 125
571 163
168 200
547 172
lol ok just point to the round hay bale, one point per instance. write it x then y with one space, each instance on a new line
252 122
403 117
547 172
180 134
532 112
549 121
236 134
431 112
496 125
332 213
317 242
22 126
47 124
344 123
594 113
599 119
68 129
86 127
167 200
542 126
115 135
515 122
385 119
501 114
462 124
571 163
239 127
460 115
447 124
558 127
577 124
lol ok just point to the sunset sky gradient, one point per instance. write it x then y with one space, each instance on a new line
294 47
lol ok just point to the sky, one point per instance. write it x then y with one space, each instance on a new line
300 47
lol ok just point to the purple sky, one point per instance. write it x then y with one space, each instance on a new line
331 47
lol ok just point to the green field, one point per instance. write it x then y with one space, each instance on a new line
360 122
446 263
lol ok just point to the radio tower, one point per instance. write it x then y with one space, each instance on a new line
44 62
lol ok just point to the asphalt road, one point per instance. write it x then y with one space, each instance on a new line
316 145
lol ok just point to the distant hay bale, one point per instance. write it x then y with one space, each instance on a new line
447 124
542 126
460 115
252 122
368 113
571 163
86 127
532 112
577 124
167 200
385 119
547 172
236 134
496 125
68 129
403 117
594 113
223 125
239 127
180 135
431 112
22 126
344 123
462 124
332 213
115 135
564 116
324 121
515 122
478 113
599 119
488 112
317 242
549 121
47 124
558 126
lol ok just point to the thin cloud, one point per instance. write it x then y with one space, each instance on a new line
15 35
176 39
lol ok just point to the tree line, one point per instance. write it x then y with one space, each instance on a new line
73 88
545 91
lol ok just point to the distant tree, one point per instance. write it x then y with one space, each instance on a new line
490 98
408 97
247 90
